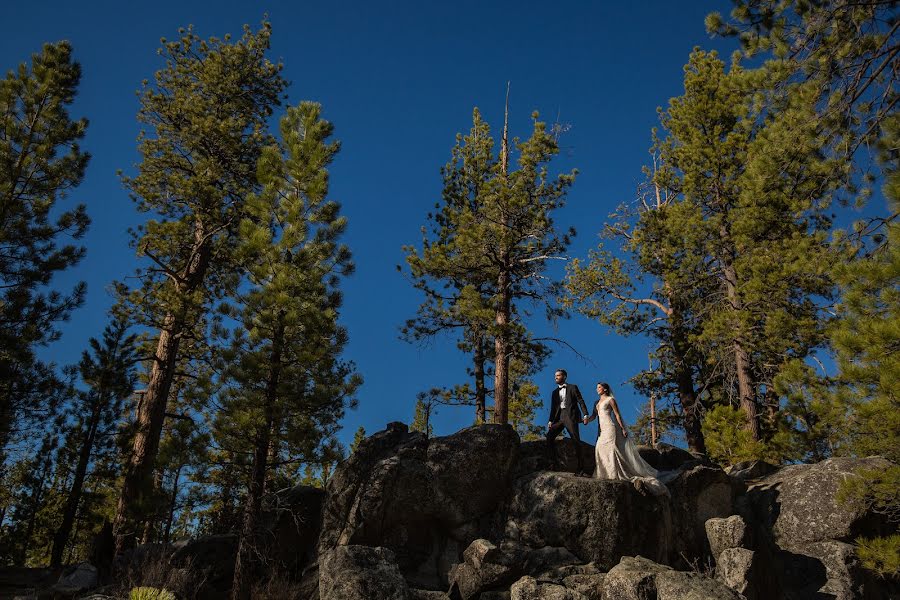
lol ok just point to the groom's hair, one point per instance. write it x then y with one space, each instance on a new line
563 371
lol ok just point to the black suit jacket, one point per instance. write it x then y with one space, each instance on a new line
574 401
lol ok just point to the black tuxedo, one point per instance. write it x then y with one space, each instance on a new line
574 402
568 418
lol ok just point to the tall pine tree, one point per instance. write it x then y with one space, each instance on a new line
206 117
40 163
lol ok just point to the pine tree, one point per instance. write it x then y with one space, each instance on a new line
490 243
288 387
206 116
40 163
358 438
606 287
422 417
753 186
108 372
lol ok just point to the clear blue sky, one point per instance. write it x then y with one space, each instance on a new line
398 80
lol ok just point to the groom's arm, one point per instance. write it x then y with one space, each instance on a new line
584 410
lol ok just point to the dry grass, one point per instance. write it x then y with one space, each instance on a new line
156 572
277 586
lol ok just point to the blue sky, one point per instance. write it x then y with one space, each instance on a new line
398 80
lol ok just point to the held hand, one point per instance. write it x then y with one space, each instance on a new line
584 420
549 425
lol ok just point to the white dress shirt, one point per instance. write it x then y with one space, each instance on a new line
562 396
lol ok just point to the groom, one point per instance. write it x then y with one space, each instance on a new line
564 413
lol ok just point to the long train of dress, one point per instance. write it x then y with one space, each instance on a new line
616 455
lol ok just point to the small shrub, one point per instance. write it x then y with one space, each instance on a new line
149 593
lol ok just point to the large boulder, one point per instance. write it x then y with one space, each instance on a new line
723 534
803 533
665 457
741 570
699 494
76 580
637 578
799 504
485 567
536 456
596 520
426 500
361 573
212 558
529 588
291 524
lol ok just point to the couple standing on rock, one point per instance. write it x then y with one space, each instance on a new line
616 455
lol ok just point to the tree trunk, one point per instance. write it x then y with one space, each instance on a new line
132 502
241 584
37 500
61 537
687 396
480 388
172 502
741 357
501 351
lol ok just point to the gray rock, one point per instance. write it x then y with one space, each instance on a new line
589 585
528 588
750 470
361 573
426 500
680 585
665 457
542 561
534 456
596 520
636 578
495 595
739 569
82 577
730 532
417 594
799 505
486 567
699 494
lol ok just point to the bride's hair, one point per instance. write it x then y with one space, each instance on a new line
605 388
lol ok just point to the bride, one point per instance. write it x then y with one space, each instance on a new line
616 455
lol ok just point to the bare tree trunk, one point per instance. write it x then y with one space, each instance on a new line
501 352
241 584
132 502
480 388
504 288
61 537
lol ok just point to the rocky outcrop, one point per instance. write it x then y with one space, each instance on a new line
426 500
598 521
480 516
637 578
699 494
291 525
361 573
798 504
801 535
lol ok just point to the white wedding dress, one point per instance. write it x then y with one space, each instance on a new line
616 455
